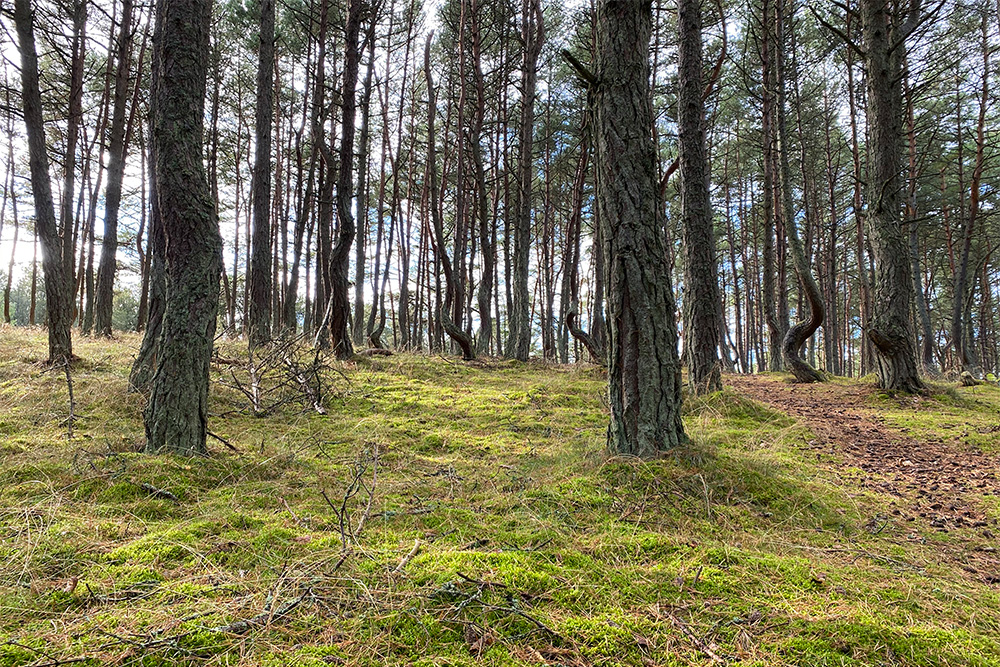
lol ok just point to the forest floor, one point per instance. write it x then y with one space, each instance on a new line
449 513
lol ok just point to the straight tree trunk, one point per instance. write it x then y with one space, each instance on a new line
532 36
261 288
770 294
362 198
116 170
960 335
59 300
176 416
74 121
305 214
701 282
923 314
644 375
9 188
144 366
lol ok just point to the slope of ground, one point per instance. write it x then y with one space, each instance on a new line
443 513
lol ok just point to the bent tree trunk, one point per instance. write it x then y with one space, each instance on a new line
644 378
340 304
889 330
57 289
177 414
797 335
456 334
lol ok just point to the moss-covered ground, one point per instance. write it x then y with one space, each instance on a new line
444 513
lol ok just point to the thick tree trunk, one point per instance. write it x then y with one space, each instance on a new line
259 325
59 300
701 282
890 330
116 170
177 413
644 376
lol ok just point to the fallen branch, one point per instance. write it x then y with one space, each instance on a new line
262 619
158 493
408 557
223 441
375 352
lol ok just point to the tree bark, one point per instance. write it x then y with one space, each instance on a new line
59 301
339 305
116 170
259 325
144 366
176 417
440 251
960 335
644 378
890 330
532 36
701 283
797 335
362 198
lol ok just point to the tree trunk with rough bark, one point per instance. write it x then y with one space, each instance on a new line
259 325
532 37
116 169
339 306
59 300
644 374
176 416
889 330
701 281
798 334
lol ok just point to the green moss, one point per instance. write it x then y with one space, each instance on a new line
744 537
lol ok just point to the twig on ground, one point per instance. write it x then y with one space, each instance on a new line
262 619
408 557
698 643
72 402
225 442
348 533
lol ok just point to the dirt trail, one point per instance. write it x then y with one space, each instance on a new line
936 483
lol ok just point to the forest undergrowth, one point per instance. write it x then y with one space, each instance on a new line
418 510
